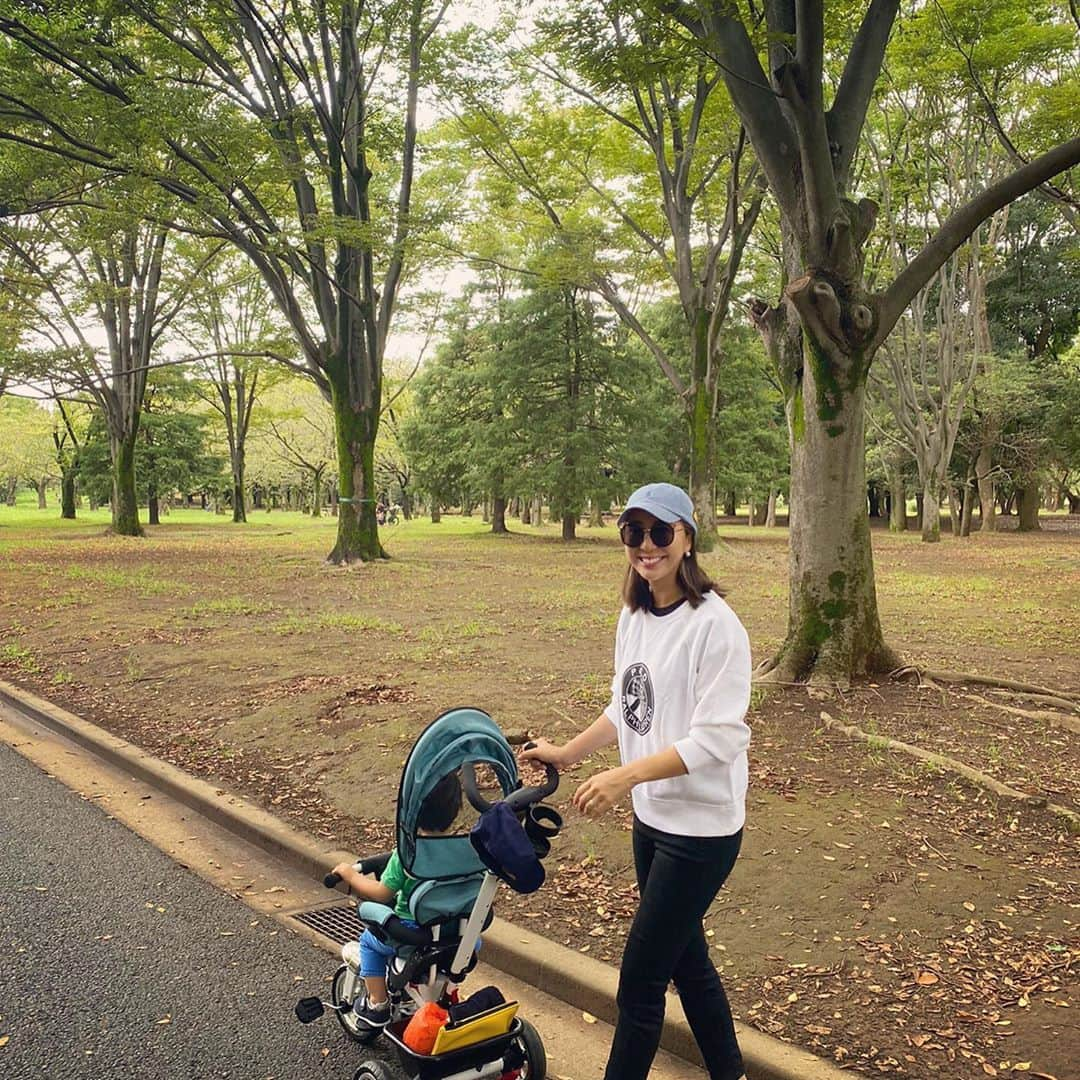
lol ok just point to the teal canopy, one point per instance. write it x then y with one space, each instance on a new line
455 737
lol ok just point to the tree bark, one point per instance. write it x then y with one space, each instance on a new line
125 502
1028 508
931 513
770 512
987 494
153 509
239 511
834 631
67 494
41 487
498 514
354 427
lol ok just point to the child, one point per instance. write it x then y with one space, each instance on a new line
436 818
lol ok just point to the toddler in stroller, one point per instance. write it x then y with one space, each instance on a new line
430 936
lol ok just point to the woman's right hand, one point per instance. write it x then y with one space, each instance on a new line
548 752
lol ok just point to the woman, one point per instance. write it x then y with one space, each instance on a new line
678 707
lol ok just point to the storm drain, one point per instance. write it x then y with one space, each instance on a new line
338 922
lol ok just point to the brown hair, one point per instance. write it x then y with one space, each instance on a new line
693 581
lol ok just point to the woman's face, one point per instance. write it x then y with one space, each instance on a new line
657 565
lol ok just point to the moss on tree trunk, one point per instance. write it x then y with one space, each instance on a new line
355 427
125 502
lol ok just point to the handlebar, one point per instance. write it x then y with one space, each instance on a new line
517 800
373 864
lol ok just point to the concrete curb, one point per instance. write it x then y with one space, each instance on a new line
576 979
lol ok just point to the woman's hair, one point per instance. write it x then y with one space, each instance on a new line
693 581
442 805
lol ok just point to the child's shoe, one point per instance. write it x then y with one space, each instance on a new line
374 1016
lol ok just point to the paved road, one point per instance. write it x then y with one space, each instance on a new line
117 962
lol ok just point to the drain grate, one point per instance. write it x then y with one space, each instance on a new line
338 922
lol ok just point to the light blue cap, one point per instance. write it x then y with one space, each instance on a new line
665 502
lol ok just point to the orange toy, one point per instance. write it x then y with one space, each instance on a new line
422 1030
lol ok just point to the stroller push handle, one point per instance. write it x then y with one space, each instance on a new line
373 864
517 800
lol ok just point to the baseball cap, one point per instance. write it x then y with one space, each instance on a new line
665 502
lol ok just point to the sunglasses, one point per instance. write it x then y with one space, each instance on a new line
633 535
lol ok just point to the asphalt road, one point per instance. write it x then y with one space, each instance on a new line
117 962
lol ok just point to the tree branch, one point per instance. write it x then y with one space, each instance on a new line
960 225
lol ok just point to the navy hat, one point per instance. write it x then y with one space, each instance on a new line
665 502
506 850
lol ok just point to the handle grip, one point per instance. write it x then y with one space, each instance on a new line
517 800
332 881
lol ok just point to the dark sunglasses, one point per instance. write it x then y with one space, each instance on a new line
633 535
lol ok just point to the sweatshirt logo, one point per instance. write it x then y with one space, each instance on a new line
637 698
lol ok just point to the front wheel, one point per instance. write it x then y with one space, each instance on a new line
348 987
373 1070
535 1058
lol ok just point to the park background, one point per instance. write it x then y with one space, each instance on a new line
332 341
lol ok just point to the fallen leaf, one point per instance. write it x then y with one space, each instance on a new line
588 1018
926 978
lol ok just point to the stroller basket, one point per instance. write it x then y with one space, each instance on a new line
437 1066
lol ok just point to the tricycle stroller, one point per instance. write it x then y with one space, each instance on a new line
459 876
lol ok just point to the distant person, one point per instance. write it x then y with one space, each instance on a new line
380 512
677 710
436 818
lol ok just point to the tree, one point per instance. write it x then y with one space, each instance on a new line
249 103
297 430
229 323
827 328
25 447
651 187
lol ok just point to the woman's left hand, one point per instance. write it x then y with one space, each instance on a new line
601 792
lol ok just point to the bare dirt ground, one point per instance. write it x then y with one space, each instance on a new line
884 912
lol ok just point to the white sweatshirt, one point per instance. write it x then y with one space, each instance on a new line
682 679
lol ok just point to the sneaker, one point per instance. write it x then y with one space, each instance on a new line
374 1016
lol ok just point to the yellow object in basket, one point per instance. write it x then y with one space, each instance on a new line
485 1025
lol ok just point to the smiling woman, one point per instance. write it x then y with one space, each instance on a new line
678 705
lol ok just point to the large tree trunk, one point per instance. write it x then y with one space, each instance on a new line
153 508
67 493
931 512
569 526
702 436
239 510
1028 508
498 514
987 495
969 503
954 511
770 512
40 487
355 426
125 502
834 631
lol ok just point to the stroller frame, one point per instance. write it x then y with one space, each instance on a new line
419 972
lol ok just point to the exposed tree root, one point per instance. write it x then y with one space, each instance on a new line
1070 723
981 779
1063 698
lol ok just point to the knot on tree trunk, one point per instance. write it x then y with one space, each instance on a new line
832 311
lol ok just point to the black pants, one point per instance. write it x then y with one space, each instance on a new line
678 877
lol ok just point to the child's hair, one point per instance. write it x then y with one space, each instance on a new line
442 805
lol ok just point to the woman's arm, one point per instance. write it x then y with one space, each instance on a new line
600 792
601 732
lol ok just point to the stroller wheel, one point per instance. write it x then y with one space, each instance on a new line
533 1049
348 987
373 1070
